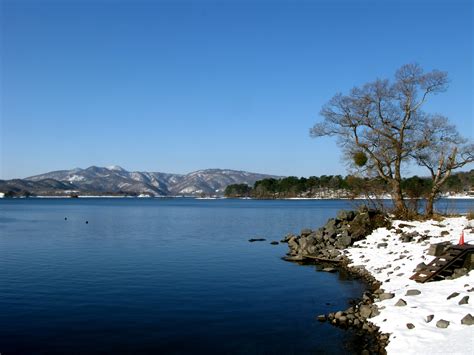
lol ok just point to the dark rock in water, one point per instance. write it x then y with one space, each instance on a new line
401 303
410 325
251 240
287 237
87 222
468 319
452 295
274 242
429 318
321 318
464 300
442 323
65 218
413 293
293 258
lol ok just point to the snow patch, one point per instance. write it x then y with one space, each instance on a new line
393 266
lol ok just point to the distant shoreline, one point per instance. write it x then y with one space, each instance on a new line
449 197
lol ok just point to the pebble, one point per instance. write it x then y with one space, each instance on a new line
442 323
413 293
429 318
452 295
464 300
321 318
468 319
401 303
410 325
386 296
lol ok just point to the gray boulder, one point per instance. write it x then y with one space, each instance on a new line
386 296
468 319
442 323
343 215
305 232
401 303
413 293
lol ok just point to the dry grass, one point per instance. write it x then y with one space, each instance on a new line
470 215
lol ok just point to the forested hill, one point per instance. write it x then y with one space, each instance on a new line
337 186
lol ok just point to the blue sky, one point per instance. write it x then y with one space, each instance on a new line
177 86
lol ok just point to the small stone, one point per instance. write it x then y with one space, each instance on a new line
65 218
410 325
468 319
87 222
464 300
401 303
452 295
442 323
251 240
382 245
429 318
329 269
413 293
321 318
386 296
274 242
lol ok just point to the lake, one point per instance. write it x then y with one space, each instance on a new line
173 276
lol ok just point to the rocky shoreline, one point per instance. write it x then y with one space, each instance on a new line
327 244
384 253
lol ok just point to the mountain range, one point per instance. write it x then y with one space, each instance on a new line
114 180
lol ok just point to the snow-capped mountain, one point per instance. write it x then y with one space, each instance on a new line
116 180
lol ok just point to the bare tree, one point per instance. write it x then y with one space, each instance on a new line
381 120
443 150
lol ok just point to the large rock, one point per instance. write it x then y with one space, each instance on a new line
344 215
293 243
365 311
305 232
343 242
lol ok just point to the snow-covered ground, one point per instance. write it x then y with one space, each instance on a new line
393 265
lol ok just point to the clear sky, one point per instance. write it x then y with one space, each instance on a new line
177 86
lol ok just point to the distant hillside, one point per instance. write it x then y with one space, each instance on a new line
115 180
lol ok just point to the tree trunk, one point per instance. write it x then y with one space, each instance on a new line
430 205
397 198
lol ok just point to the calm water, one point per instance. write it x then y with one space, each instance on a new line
169 276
